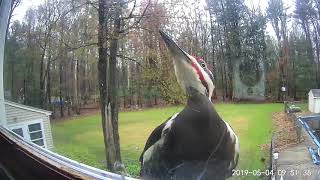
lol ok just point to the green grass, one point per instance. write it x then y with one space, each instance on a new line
81 139
303 106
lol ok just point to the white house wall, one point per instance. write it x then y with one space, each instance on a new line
18 115
311 102
316 105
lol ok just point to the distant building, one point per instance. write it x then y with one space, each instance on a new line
31 123
314 100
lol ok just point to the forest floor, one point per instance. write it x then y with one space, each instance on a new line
81 139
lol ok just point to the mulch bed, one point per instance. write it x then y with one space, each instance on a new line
285 132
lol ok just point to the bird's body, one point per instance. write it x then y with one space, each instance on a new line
181 150
194 143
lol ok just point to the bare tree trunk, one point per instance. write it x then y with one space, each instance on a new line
42 79
49 85
139 98
113 89
14 5
42 63
24 88
78 88
13 92
316 42
318 59
102 69
225 80
61 103
108 84
222 80
223 85
124 83
294 80
214 69
86 80
47 96
75 86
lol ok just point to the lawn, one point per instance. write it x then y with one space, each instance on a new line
81 138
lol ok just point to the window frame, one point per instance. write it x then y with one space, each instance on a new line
26 132
19 127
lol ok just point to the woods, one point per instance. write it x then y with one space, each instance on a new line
66 55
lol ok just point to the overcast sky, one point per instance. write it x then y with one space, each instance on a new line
26 4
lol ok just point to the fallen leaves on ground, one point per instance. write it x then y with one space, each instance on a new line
285 133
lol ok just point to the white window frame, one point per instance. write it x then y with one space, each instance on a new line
17 126
25 129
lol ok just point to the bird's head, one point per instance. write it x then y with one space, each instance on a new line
192 72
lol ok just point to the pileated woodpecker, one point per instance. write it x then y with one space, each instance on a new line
194 143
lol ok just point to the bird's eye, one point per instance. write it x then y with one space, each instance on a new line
203 65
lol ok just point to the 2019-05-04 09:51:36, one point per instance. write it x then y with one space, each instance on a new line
258 172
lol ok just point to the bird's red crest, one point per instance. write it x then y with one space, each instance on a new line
198 58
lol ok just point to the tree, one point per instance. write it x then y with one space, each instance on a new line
304 13
108 83
47 20
278 17
14 5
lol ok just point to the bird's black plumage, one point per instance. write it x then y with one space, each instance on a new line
153 138
183 150
194 143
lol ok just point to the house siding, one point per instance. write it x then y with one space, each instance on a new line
311 102
316 105
17 115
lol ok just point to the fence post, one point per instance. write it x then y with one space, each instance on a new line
273 159
299 128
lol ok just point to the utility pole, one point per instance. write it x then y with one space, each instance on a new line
5 6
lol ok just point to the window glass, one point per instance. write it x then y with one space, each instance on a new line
34 127
39 142
36 135
18 131
32 132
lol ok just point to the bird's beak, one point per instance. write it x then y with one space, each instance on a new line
176 51
183 66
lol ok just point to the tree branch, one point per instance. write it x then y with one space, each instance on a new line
138 21
128 58
70 48
133 8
